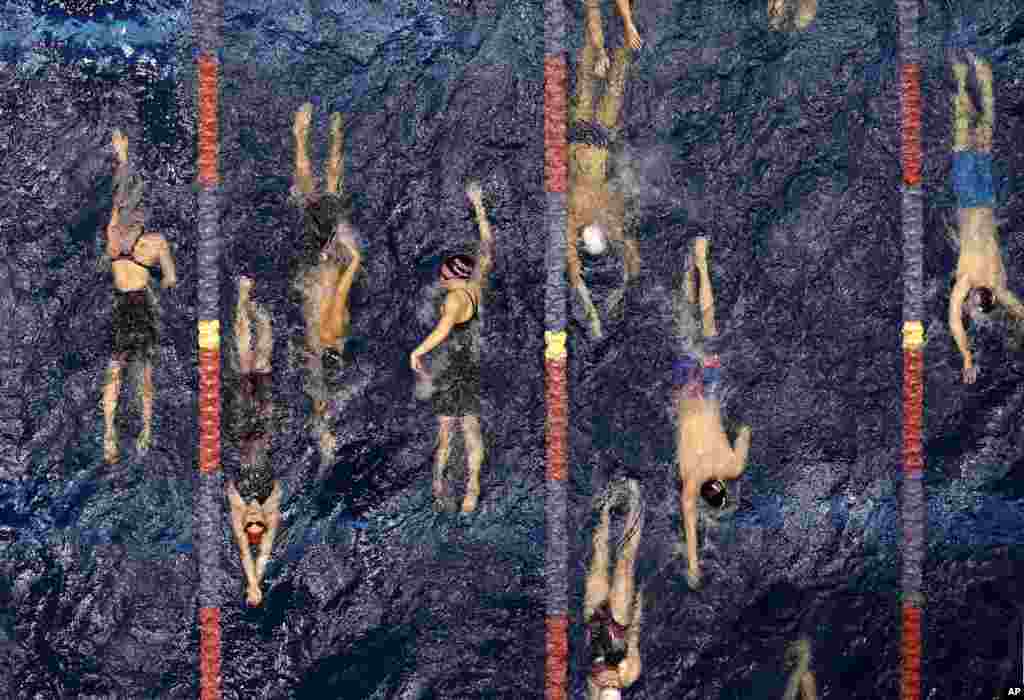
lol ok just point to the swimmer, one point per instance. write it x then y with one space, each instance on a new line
611 609
457 388
596 211
134 253
320 262
802 11
801 685
706 459
980 275
256 499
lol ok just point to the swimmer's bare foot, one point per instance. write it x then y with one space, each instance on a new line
245 285
143 442
110 452
469 501
120 143
303 115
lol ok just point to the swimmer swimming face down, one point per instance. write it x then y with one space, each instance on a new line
980 300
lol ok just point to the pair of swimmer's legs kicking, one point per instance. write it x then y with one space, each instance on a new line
474 458
591 200
326 295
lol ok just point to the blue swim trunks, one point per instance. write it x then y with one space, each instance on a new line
698 380
972 179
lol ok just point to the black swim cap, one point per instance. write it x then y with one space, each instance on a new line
458 266
714 493
985 299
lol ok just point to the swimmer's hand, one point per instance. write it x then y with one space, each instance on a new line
168 282
700 250
254 596
475 193
693 579
970 374
416 361
633 37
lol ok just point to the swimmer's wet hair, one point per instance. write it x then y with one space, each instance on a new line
458 266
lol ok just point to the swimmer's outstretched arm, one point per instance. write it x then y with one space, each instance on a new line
632 36
238 527
120 143
454 305
629 669
799 654
688 505
956 322
336 317
167 265
486 255
272 509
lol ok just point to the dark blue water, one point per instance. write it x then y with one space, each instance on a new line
781 146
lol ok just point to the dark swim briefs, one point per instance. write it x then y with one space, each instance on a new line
134 325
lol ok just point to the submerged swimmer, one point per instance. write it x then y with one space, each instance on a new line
612 609
596 211
457 388
256 499
801 685
980 275
320 262
706 459
134 253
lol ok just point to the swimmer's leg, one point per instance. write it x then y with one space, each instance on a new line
146 393
111 391
243 328
474 459
805 13
611 103
963 110
624 581
264 349
707 294
303 169
444 448
986 122
337 147
598 585
583 100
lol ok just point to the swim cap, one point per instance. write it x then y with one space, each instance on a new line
458 266
985 299
254 537
714 493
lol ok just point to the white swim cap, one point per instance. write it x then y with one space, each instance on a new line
610 694
594 239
